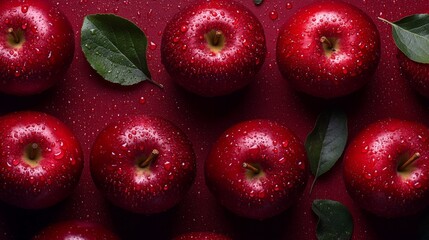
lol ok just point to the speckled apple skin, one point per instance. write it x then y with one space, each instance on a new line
370 168
56 174
79 230
116 174
47 52
202 236
302 59
280 155
190 62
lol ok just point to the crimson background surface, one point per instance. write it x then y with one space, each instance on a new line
87 103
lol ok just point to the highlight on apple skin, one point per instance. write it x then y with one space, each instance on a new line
37 47
328 49
386 168
143 164
41 161
213 48
257 169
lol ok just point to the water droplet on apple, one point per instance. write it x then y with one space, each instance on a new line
167 165
15 162
289 5
368 176
285 143
184 28
274 15
417 185
282 160
59 155
24 8
152 45
142 100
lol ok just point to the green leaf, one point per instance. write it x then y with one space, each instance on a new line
115 48
258 2
335 220
326 142
411 35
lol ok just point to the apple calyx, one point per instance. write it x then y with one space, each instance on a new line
407 163
215 40
145 162
330 45
15 37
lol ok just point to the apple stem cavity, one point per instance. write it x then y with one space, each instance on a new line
409 161
14 35
252 168
153 155
216 38
328 44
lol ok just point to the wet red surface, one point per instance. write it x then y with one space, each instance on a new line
87 103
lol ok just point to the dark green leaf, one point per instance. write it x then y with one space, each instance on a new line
411 35
115 48
258 2
325 144
335 221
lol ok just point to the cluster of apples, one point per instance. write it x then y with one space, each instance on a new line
256 169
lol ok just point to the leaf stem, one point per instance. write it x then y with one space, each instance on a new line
155 83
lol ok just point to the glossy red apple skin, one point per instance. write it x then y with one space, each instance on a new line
117 152
202 236
79 230
416 73
53 176
44 56
302 59
278 153
371 168
193 65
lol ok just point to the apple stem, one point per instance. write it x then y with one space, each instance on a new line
14 35
149 159
216 37
326 41
33 151
252 168
409 161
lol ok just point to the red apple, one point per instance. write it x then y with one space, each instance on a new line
416 73
40 160
36 46
257 169
213 48
202 236
76 230
386 168
143 164
328 49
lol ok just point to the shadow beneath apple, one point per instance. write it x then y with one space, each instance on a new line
136 226
25 223
272 228
12 103
210 109
395 228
